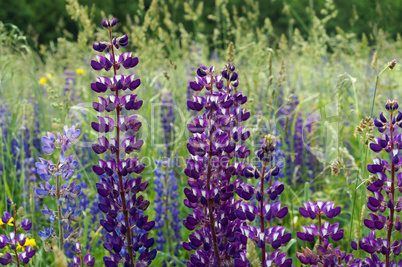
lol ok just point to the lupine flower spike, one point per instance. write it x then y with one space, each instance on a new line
64 169
16 239
385 203
268 208
125 222
215 220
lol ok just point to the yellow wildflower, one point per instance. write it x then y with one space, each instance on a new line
49 75
42 80
10 222
28 242
79 71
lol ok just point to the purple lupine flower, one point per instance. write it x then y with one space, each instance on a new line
330 256
325 254
384 189
268 208
64 168
15 237
125 221
312 209
217 238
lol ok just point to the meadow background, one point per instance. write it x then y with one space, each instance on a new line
308 68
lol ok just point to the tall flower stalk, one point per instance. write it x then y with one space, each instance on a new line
385 199
268 208
218 241
271 209
125 222
63 169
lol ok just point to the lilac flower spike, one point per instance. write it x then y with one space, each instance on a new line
120 184
384 202
215 221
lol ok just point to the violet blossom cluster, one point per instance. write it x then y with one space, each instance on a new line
15 238
62 193
120 183
326 254
217 216
268 209
384 204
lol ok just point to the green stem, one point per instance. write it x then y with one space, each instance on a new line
82 260
377 80
166 209
262 212
391 197
353 210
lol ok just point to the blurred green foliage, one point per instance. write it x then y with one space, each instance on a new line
45 20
